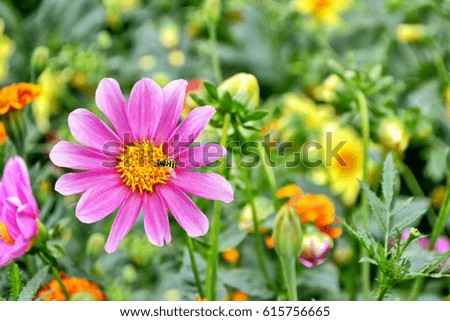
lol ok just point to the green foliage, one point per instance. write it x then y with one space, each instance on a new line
15 280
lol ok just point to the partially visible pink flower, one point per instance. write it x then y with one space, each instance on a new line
18 212
442 245
128 167
316 247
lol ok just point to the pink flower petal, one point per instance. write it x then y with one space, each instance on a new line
156 220
26 221
70 155
187 214
174 93
100 201
89 130
204 185
124 221
145 108
76 183
190 128
110 101
200 155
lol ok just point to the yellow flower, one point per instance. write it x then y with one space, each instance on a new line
52 85
17 96
323 11
114 9
316 116
6 50
437 196
231 255
176 58
410 33
343 172
147 62
169 36
393 135
326 91
80 289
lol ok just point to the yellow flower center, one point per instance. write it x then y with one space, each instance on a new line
4 235
321 6
138 166
350 161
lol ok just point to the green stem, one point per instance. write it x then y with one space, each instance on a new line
414 186
269 174
365 131
48 261
416 289
198 282
444 214
288 267
213 259
212 28
258 239
382 293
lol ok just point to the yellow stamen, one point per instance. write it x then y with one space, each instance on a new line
4 235
138 166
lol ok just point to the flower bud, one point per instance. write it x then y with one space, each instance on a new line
95 244
393 135
243 88
327 90
39 58
343 254
287 235
410 33
437 196
316 247
212 10
129 273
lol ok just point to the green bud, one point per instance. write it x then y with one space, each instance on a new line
95 244
212 10
129 273
104 40
41 238
39 58
243 89
287 235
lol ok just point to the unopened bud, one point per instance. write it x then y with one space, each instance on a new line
95 244
243 89
212 10
39 58
393 135
287 235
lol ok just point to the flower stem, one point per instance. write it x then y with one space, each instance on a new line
258 239
288 267
269 174
198 282
382 293
365 131
48 260
213 259
212 28
444 214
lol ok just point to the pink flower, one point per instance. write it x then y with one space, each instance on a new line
316 247
144 163
18 212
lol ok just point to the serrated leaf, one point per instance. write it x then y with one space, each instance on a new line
31 287
368 260
15 280
377 206
436 263
387 184
408 220
212 90
364 238
401 206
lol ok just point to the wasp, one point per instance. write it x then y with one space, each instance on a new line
170 165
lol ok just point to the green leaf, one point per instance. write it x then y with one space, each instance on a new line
437 161
408 221
387 185
15 279
199 100
212 90
256 115
436 263
2 299
377 206
401 206
232 237
31 287
369 260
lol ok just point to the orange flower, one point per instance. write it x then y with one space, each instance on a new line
269 242
17 96
3 135
315 208
240 296
199 298
73 286
231 255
